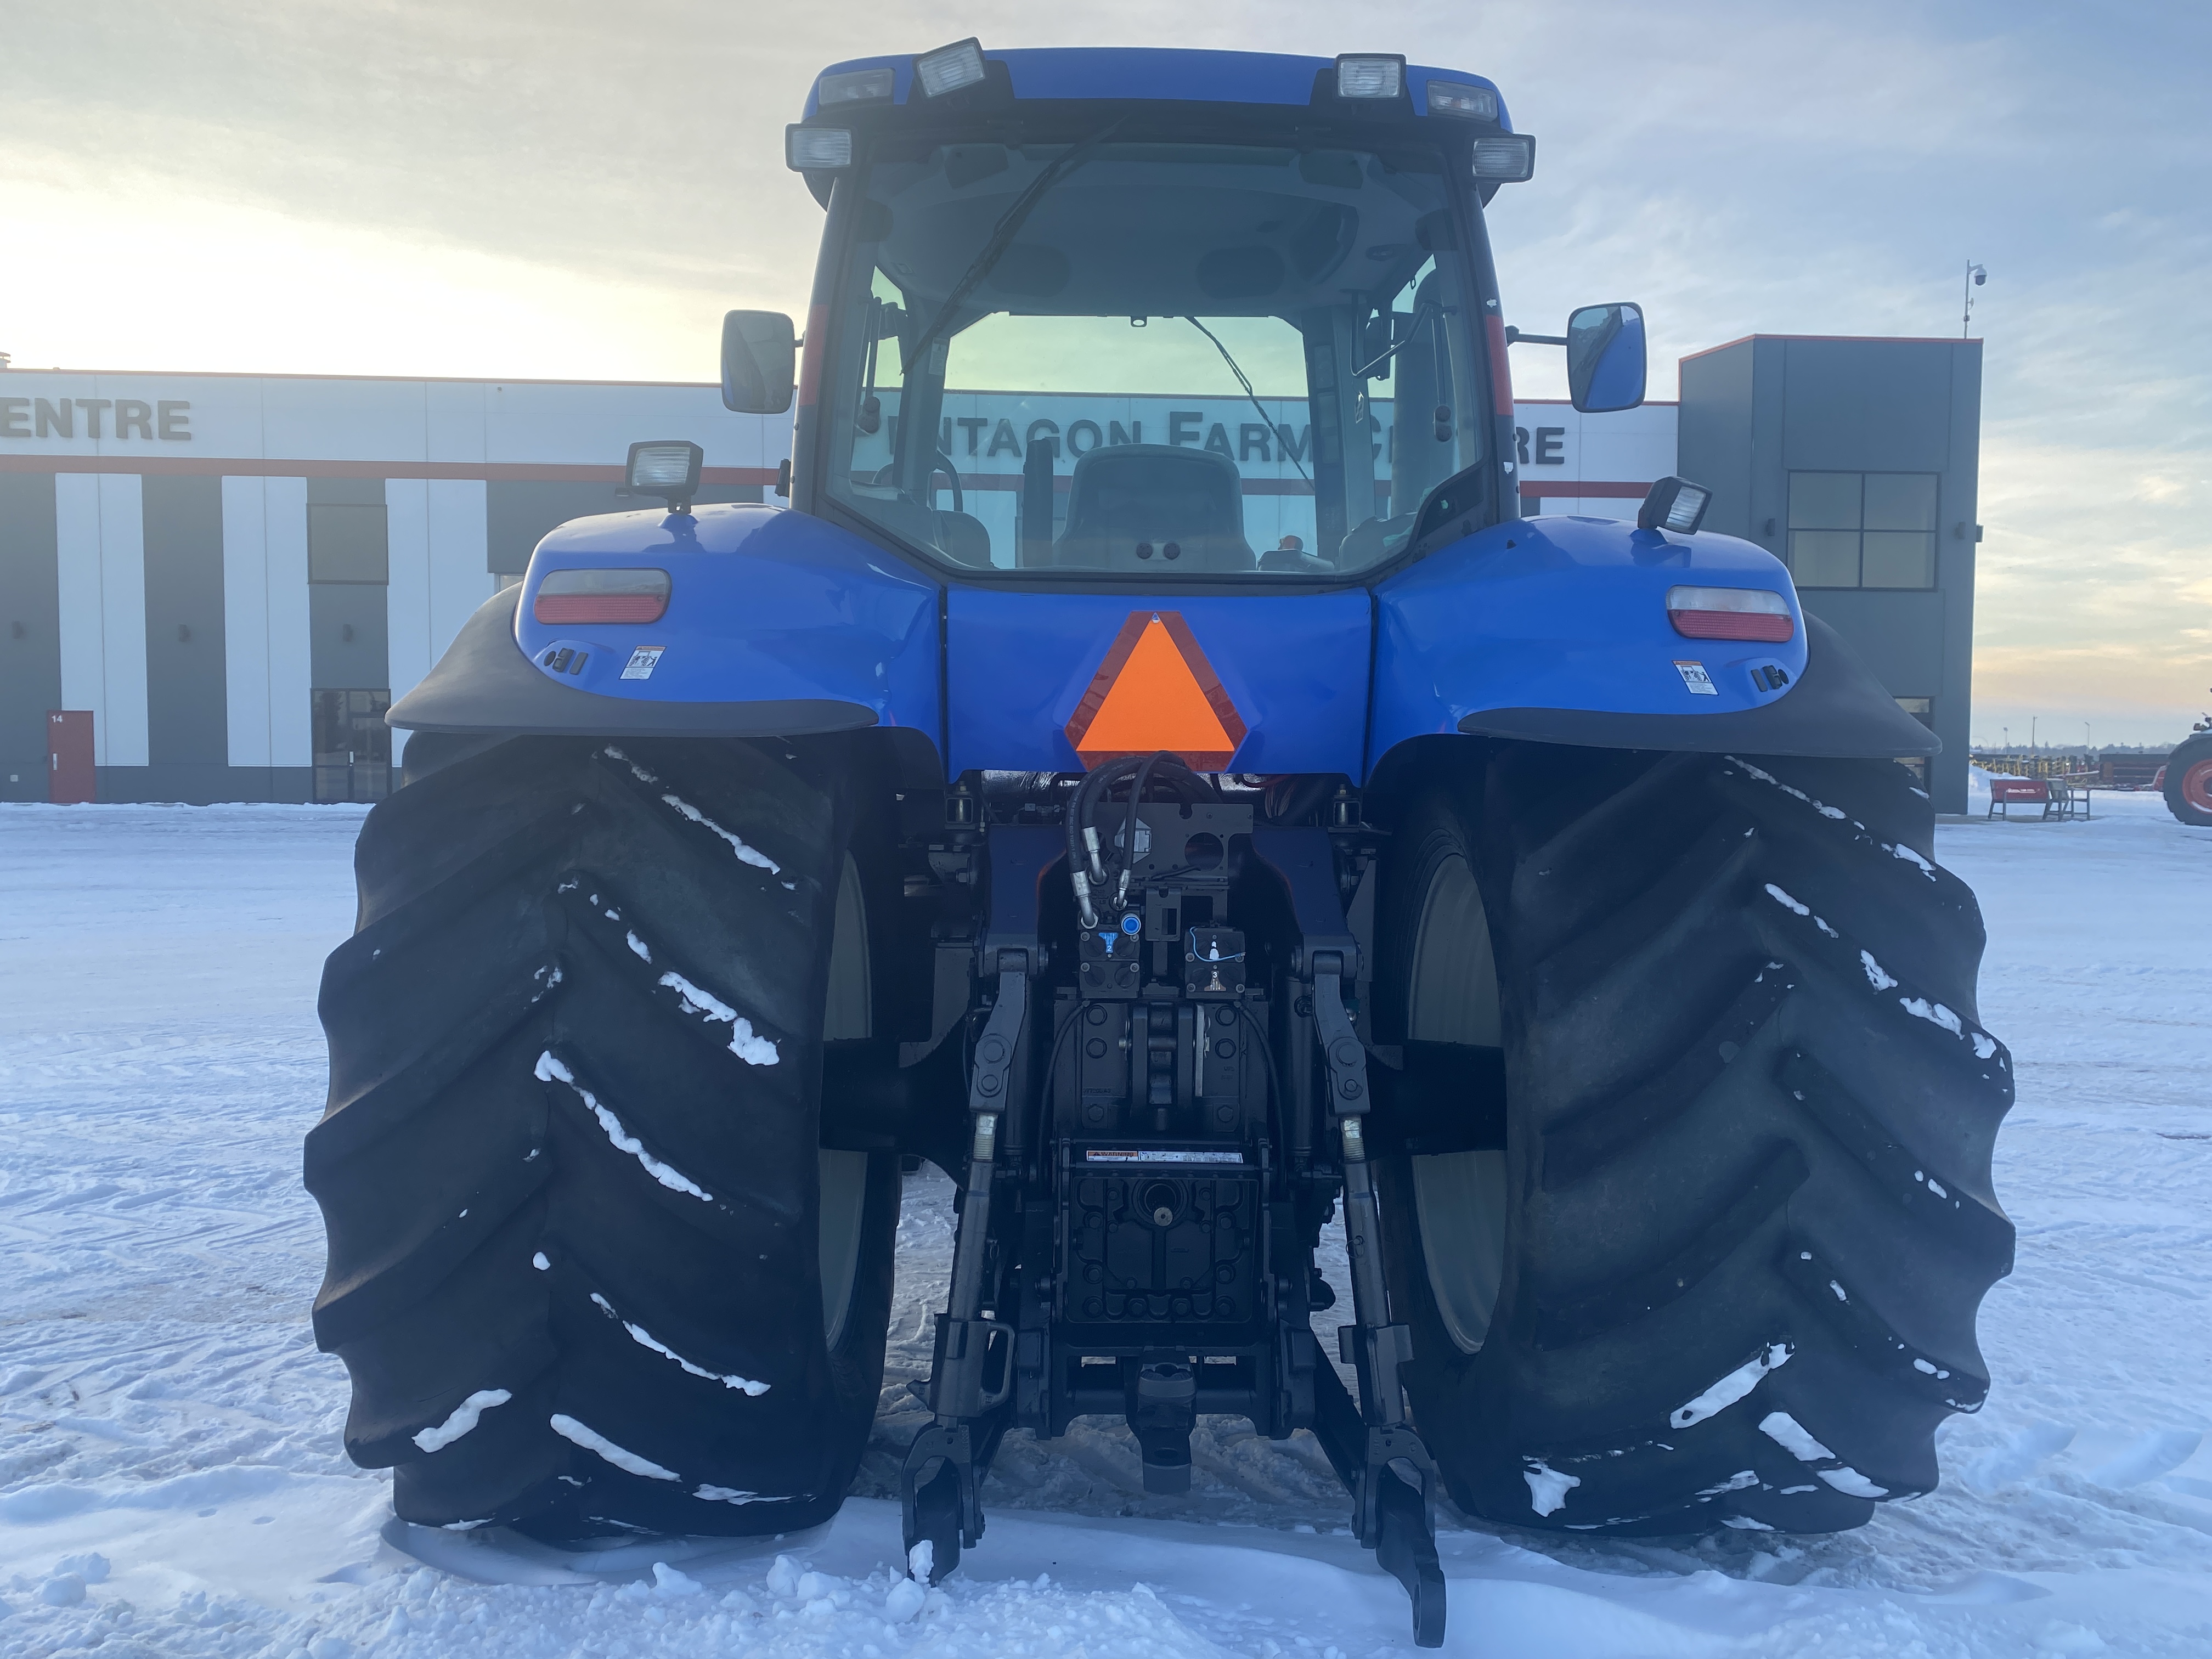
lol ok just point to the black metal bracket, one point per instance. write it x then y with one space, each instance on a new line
1392 1476
1341 1048
1393 1481
943 1511
941 1482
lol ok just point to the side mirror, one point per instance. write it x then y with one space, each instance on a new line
756 361
1605 358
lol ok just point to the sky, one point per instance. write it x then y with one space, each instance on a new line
556 189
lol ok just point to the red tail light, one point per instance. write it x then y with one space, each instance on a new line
601 596
1730 613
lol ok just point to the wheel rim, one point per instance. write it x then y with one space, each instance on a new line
2197 786
1451 949
1459 1198
847 1013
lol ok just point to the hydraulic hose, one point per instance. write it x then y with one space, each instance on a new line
1085 871
1082 867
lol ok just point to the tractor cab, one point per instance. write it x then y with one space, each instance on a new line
1161 316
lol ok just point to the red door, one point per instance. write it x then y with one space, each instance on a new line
69 755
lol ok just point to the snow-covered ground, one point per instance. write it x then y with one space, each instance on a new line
171 1480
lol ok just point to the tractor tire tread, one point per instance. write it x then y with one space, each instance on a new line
569 1163
1751 1111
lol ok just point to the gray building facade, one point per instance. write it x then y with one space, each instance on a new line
1855 462
223 582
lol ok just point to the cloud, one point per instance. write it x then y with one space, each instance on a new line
150 281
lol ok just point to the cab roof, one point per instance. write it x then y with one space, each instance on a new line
1157 73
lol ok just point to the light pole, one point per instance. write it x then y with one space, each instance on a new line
1975 277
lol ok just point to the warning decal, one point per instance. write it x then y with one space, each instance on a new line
1155 690
1694 676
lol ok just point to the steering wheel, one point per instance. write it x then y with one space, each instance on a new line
940 462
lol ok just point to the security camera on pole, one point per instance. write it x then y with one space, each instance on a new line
1975 277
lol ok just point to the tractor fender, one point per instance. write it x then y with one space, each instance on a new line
777 623
1556 630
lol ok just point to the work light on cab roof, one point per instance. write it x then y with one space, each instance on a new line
1380 79
949 69
1369 76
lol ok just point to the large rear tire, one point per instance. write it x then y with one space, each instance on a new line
2189 781
590 1269
1726 1266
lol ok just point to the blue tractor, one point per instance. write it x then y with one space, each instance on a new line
1181 826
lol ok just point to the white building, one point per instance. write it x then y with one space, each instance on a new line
233 576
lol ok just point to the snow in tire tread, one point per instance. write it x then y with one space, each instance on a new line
568 1154
1752 1111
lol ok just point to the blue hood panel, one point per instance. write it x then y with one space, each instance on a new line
1294 665
765 606
1566 613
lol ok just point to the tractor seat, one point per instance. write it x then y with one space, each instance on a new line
1132 495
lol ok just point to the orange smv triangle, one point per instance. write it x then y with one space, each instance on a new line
1157 692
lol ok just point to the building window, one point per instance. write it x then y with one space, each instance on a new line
353 746
1863 529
